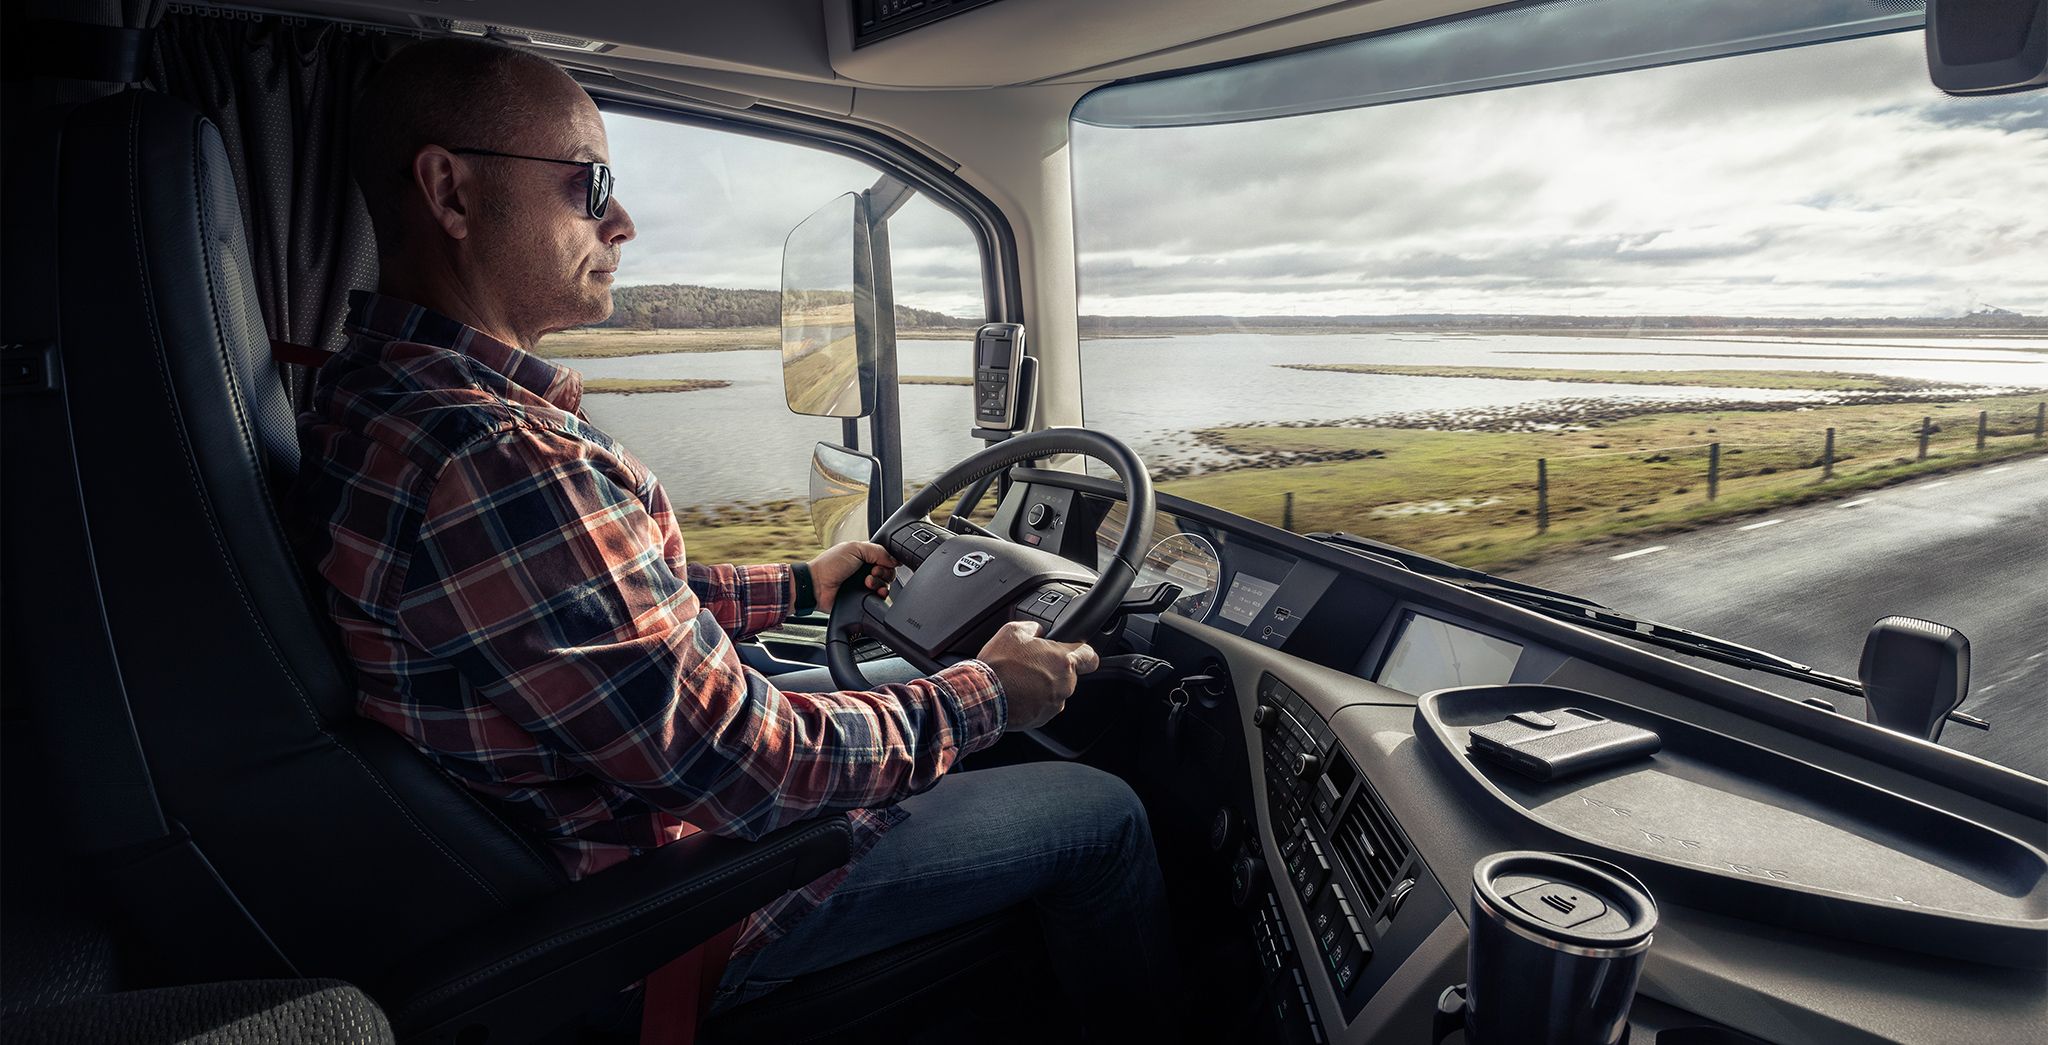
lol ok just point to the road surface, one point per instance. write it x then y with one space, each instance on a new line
1968 549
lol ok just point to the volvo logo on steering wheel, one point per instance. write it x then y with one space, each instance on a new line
971 562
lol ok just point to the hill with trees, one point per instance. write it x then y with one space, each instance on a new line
680 306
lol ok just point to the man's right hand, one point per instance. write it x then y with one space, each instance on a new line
1038 675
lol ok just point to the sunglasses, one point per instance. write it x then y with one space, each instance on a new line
600 195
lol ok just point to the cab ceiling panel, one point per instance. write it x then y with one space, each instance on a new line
780 38
1008 42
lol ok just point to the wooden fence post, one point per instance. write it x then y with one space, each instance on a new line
1925 424
1983 419
1713 471
1287 513
1827 457
1542 495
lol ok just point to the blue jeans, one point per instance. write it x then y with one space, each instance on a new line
1071 841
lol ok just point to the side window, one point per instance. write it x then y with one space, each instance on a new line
686 371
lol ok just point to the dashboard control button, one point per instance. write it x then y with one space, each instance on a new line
1222 829
1306 765
1040 516
1346 971
1290 847
1246 876
1264 715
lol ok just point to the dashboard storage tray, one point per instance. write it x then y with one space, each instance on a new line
1722 824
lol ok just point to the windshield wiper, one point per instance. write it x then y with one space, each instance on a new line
1589 614
1670 636
1430 566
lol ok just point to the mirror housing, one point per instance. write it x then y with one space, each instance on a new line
842 494
829 331
1987 46
1914 672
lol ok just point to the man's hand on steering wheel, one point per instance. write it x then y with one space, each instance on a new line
971 585
831 568
1038 674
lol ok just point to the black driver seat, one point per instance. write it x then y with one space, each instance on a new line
295 837
271 831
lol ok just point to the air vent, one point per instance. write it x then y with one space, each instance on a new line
1371 847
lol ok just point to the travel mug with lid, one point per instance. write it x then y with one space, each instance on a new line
1557 946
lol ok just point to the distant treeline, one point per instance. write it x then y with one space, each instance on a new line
1110 326
677 306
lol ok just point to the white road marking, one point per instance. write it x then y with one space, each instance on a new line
1995 471
1761 525
1638 551
1853 504
1930 486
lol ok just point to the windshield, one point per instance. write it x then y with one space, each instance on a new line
1756 345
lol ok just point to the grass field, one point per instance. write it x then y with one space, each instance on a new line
1471 496
1800 379
605 342
632 385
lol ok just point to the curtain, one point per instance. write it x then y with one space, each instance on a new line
282 91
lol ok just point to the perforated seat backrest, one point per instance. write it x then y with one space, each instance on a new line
346 845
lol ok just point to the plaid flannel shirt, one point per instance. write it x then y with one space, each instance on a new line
511 586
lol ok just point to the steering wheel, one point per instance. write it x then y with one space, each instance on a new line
974 581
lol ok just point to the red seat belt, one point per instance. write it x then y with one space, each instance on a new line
299 355
678 995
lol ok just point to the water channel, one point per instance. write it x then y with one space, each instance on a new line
739 443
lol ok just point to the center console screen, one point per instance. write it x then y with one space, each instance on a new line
1430 654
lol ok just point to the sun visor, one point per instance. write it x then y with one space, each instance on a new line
1500 47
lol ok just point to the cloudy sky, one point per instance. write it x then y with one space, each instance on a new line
713 207
1827 180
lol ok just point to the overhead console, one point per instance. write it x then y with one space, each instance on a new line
881 19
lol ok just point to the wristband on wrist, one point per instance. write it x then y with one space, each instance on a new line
806 592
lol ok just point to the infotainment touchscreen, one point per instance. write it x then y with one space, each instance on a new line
1247 596
1430 654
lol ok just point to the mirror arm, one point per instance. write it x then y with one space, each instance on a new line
885 425
887 196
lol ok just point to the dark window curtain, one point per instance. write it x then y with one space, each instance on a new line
282 92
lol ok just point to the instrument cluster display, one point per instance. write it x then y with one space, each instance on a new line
1189 561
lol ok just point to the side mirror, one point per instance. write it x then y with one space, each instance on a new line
1987 46
828 312
843 502
1914 673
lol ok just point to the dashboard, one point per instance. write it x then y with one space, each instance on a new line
1909 882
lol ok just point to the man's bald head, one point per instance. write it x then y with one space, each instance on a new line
449 93
476 162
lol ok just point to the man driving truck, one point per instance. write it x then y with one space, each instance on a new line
512 587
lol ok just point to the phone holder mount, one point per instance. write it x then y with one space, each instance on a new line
1027 400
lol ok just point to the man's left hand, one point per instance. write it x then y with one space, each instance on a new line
830 570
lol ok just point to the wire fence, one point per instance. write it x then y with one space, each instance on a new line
1596 488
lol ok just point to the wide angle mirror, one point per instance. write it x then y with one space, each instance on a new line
828 313
843 506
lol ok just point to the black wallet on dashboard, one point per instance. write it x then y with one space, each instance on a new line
1548 745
